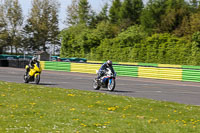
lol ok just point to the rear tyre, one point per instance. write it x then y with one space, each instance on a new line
111 84
95 85
37 79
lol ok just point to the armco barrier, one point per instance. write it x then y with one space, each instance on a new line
101 62
148 64
4 63
169 66
42 63
13 63
94 61
121 70
141 70
50 65
85 68
23 63
191 75
131 71
58 66
160 73
128 63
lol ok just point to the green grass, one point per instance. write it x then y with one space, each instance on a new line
35 108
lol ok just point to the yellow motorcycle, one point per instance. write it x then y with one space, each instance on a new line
34 74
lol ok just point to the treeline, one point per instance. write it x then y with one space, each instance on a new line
28 33
159 31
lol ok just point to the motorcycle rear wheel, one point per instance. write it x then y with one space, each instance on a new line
95 85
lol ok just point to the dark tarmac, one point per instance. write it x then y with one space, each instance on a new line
163 90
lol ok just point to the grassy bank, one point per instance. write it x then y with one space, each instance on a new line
34 108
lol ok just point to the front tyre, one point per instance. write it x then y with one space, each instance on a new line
37 79
95 85
26 78
111 84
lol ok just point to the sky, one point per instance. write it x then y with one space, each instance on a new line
96 5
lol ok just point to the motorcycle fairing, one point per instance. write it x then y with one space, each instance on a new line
105 78
34 70
110 81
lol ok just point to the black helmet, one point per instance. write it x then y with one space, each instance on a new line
34 58
109 63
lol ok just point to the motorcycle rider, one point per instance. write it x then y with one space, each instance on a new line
102 70
31 64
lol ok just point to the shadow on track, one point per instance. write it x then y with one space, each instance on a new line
118 91
46 84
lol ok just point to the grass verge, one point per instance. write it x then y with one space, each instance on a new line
35 108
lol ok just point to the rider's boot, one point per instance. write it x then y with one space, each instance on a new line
26 73
98 79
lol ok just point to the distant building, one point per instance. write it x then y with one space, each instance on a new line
42 56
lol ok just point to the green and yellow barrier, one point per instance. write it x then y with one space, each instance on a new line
160 73
42 63
169 65
131 71
57 66
128 63
141 70
94 61
85 68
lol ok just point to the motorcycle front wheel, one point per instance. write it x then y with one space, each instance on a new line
111 84
95 85
26 78
37 79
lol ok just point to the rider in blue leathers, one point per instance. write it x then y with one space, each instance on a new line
102 69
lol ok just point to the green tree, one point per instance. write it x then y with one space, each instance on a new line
3 31
11 23
42 25
72 13
80 12
70 45
151 15
103 15
195 52
190 23
84 12
114 11
194 5
131 10
54 27
4 36
195 22
175 12
120 48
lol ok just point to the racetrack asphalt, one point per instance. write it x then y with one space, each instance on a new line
163 90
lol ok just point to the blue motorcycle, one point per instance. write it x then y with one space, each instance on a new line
107 81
